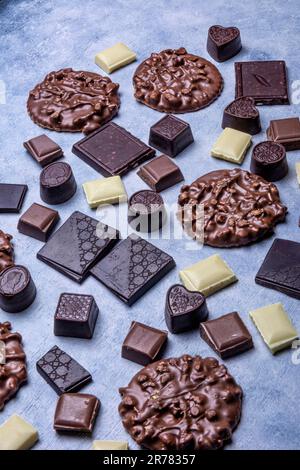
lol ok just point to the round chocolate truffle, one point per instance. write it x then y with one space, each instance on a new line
146 211
17 289
269 161
57 183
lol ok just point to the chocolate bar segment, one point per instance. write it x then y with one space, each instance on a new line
285 132
161 173
43 149
76 412
111 150
143 343
12 197
170 135
62 372
38 222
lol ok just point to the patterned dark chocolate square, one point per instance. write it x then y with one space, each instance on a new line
170 135
75 316
132 267
62 372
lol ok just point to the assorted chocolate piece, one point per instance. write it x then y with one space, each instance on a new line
38 222
87 240
76 412
208 275
62 372
226 335
177 397
111 150
239 208
43 149
269 161
174 81
17 434
171 135
12 365
75 316
110 445
6 251
223 43
115 57
73 101
184 309
105 191
160 174
231 145
12 197
17 289
274 326
242 115
280 268
285 132
143 343
132 267
57 183
298 172
264 81
146 211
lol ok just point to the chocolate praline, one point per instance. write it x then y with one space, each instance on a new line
57 183
146 211
17 289
269 161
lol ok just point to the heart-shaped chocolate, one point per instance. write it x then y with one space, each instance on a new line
223 43
243 115
184 309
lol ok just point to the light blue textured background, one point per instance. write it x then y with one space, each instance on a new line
37 37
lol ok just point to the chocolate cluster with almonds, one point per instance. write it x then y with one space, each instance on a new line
6 251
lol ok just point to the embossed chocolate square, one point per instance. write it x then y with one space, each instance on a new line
170 135
75 316
265 81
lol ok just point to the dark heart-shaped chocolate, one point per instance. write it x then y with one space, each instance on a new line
243 115
184 309
223 43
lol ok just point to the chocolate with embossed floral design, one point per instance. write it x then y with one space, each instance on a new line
242 115
269 161
223 43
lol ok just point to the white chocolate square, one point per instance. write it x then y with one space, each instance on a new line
110 445
17 434
115 57
109 190
231 145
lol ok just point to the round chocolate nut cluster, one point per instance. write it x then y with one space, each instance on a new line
239 208
185 403
174 81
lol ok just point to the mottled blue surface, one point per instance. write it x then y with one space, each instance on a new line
37 37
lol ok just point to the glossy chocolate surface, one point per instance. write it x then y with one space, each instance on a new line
285 132
38 222
43 149
242 115
223 43
143 343
269 161
76 412
161 173
57 183
170 135
6 251
17 289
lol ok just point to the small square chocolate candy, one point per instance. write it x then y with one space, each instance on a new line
160 173
170 135
38 222
75 316
226 335
285 132
43 149
12 197
143 343
76 412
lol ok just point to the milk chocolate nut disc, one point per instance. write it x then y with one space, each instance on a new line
13 371
185 403
174 81
239 207
73 101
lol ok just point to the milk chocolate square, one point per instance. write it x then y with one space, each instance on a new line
160 173
43 149
38 222
143 343
285 132
76 412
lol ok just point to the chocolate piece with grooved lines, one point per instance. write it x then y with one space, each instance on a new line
161 173
12 197
280 269
170 135
57 183
242 115
76 412
184 309
17 289
184 403
226 335
223 43
112 150
132 268
264 81
62 372
285 132
73 101
269 161
76 316
143 343
38 222
43 149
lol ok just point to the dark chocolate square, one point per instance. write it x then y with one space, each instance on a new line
75 316
285 132
76 412
264 81
280 269
143 343
226 335
132 268
43 149
87 240
111 150
62 372
170 135
161 173
12 197
38 222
